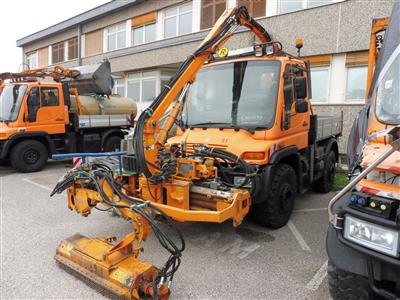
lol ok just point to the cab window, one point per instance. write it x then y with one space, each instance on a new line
49 96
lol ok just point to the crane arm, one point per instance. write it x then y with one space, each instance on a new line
58 73
149 139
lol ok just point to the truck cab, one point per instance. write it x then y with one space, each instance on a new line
258 107
51 110
34 110
31 107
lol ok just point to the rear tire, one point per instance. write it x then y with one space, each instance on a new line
276 208
347 286
325 183
112 144
29 156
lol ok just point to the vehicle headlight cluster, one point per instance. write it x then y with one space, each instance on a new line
372 236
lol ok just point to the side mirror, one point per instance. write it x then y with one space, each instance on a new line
301 105
300 83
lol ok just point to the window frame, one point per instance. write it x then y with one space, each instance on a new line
354 100
119 85
117 31
75 40
140 77
305 5
144 26
328 80
214 17
29 57
252 11
62 57
178 15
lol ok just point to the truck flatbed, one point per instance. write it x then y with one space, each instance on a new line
329 126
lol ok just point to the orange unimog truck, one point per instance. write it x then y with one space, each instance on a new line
247 138
363 240
54 110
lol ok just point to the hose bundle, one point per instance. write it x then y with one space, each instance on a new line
242 168
95 179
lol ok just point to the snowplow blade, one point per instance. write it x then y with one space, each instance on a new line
117 270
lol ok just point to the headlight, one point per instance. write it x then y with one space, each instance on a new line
372 236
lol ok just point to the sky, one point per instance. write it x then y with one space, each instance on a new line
19 18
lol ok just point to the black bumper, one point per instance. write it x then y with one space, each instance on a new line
360 260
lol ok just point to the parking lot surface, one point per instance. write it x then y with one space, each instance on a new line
220 262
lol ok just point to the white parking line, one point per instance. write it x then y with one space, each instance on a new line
298 236
316 281
310 209
38 184
41 186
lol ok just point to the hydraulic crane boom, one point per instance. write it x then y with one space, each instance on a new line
58 74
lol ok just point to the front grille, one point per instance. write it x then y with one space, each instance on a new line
189 146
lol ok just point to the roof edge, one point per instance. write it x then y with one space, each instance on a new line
81 18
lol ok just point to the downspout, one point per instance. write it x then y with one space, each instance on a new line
80 45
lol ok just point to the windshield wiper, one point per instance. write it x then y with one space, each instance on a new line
222 124
218 125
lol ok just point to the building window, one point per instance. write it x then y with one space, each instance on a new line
57 53
319 83
211 10
256 8
119 87
356 83
144 34
116 37
178 20
72 48
31 60
293 5
142 88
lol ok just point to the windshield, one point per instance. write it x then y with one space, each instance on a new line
241 94
10 101
388 93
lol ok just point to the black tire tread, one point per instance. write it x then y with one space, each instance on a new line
18 164
110 141
323 184
347 286
264 213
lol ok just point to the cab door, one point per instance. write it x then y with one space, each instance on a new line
45 110
296 121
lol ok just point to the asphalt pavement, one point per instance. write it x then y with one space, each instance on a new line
220 262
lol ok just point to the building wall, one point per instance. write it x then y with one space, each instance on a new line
337 30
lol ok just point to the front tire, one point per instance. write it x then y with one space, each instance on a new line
276 208
29 156
348 286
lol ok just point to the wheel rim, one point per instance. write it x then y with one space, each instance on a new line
31 156
286 196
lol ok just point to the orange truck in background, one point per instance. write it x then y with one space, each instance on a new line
363 240
72 112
